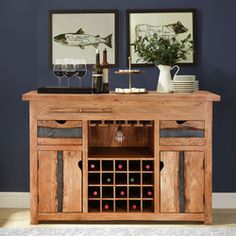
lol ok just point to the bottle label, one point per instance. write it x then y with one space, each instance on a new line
105 75
97 75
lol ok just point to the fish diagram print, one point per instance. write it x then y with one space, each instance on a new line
81 39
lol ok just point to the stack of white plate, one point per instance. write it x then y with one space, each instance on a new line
184 84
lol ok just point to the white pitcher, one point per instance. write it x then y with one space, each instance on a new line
164 79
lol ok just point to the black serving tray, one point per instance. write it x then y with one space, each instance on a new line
70 90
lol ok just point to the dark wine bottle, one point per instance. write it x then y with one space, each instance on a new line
120 166
132 180
106 206
105 71
122 193
147 167
95 193
97 75
134 206
149 193
108 180
92 166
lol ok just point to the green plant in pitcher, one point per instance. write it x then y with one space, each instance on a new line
162 51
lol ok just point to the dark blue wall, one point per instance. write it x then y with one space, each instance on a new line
24 66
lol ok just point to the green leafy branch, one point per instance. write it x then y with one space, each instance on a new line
162 51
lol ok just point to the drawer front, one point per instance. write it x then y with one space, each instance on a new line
111 109
181 132
61 132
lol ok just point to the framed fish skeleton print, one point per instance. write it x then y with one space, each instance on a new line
77 34
167 24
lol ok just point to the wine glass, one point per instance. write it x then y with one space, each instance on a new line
80 69
58 70
69 69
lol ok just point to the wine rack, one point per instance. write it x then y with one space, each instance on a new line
124 123
120 185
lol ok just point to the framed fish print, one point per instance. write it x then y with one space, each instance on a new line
77 34
166 24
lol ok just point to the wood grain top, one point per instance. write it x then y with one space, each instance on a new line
150 96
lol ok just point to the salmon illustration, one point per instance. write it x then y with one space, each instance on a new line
82 40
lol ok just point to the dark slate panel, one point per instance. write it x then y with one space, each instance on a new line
59 180
181 184
59 133
181 133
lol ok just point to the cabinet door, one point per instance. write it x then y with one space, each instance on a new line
47 181
59 181
72 182
182 182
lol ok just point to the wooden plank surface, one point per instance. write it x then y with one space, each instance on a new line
195 96
169 182
182 141
129 216
156 166
33 165
85 165
208 163
59 141
72 182
60 124
194 182
47 181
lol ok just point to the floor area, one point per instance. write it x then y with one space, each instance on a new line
20 218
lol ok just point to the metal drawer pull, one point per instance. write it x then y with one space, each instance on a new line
80 110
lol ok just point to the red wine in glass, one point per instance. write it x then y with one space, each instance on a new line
80 69
69 69
80 73
58 70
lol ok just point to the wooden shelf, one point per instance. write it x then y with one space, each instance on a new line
120 152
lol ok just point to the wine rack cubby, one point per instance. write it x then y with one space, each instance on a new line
120 185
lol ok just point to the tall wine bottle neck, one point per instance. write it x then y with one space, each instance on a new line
97 58
104 57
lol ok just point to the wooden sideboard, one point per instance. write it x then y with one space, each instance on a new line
144 157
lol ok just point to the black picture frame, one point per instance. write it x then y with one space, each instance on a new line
80 32
164 17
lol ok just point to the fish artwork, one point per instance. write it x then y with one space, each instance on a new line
166 31
82 40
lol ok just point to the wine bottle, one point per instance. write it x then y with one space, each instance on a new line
105 71
134 206
92 166
120 166
149 193
95 193
108 180
97 75
147 167
122 193
132 180
106 206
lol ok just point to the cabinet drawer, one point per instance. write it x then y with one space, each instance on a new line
181 132
58 132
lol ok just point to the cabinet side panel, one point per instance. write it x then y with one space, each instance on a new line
47 181
170 182
72 182
194 182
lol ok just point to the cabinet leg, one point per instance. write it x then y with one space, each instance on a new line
208 220
33 219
